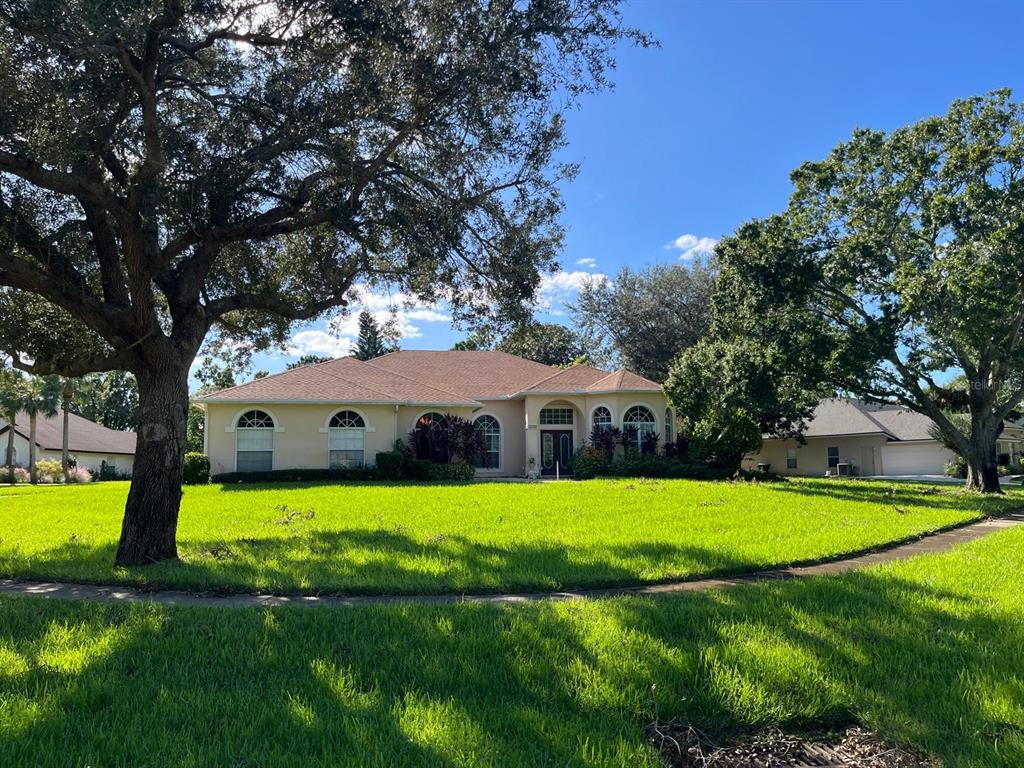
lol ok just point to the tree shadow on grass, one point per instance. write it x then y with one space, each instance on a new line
375 561
898 493
531 685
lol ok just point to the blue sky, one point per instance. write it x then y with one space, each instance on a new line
700 134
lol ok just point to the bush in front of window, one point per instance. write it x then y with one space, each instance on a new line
197 469
295 475
390 465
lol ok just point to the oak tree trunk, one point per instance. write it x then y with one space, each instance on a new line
151 513
982 472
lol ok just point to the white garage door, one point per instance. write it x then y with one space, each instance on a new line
914 458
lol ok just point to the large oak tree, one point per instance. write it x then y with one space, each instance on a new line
168 168
899 261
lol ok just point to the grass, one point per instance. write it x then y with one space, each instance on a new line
926 651
372 538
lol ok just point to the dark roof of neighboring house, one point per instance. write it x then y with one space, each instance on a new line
84 436
453 378
847 416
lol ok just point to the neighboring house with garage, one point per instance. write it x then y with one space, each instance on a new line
90 444
343 412
847 436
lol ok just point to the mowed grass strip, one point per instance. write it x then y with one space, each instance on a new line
927 651
484 537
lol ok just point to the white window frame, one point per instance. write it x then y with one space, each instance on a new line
273 430
639 432
501 441
328 428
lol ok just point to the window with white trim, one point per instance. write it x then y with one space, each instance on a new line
832 454
556 416
668 426
254 442
791 458
639 419
346 440
491 429
602 417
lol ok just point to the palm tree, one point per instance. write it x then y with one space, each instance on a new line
42 396
12 386
66 394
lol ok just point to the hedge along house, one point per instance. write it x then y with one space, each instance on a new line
343 412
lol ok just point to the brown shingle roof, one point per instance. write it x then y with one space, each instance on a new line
472 374
344 380
84 436
453 378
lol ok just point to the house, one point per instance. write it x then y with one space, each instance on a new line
342 412
867 439
91 445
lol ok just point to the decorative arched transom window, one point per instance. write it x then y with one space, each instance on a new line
491 430
639 421
346 440
602 417
668 426
553 416
254 442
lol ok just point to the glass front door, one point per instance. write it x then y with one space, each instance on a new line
556 451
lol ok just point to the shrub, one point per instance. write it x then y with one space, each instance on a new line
197 469
957 467
605 439
589 462
419 469
79 475
652 465
49 471
456 472
295 475
390 465
21 475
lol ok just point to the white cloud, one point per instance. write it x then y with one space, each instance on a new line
561 287
587 262
693 247
318 343
403 312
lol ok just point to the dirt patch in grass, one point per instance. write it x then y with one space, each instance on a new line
684 746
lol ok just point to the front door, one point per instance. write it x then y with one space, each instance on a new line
556 451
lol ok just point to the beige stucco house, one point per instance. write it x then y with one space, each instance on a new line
344 412
90 444
850 436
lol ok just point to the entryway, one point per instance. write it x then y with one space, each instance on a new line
556 451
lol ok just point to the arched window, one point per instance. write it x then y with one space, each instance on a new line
346 438
668 426
429 437
602 417
637 422
491 429
254 442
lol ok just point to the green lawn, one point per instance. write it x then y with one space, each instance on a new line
927 651
372 538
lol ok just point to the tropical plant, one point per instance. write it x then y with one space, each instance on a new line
41 398
605 439
12 400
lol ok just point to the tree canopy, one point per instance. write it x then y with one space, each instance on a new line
172 168
548 343
373 339
899 260
643 319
